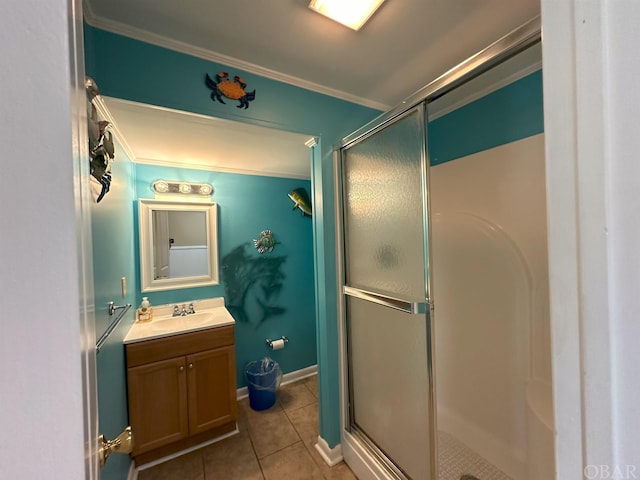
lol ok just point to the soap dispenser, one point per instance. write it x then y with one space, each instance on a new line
145 312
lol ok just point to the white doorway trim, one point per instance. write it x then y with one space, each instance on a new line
589 61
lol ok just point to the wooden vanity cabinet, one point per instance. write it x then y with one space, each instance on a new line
158 404
182 391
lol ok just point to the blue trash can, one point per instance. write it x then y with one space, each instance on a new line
263 378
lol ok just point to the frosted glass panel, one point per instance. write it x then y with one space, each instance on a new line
389 373
390 389
383 211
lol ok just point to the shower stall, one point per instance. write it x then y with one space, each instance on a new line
444 284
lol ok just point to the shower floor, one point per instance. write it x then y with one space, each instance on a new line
455 459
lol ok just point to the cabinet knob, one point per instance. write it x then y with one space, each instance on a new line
181 368
191 365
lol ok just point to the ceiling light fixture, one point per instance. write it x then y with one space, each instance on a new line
352 13
187 188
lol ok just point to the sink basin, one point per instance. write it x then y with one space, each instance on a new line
171 324
197 319
165 325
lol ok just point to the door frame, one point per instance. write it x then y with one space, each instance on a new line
82 204
357 442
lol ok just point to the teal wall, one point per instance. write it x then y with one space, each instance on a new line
246 205
113 258
133 70
511 113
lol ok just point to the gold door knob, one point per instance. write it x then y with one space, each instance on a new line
181 368
123 443
190 366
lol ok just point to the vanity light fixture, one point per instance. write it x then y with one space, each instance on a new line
353 13
186 188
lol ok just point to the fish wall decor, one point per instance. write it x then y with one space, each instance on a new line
301 200
265 242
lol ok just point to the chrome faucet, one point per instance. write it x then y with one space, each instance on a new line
181 312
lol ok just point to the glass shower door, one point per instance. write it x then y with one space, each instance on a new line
386 296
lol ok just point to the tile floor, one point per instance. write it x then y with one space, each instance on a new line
455 460
273 444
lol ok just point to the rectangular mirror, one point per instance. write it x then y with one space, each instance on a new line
178 244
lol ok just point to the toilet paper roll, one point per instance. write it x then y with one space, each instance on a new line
277 344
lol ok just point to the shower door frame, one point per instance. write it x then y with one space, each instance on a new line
506 47
422 307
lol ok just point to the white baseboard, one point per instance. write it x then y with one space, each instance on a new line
331 456
287 378
133 473
185 451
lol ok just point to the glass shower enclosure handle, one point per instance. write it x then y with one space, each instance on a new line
388 301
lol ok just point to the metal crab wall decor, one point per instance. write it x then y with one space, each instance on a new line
233 89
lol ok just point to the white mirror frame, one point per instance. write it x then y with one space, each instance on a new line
146 207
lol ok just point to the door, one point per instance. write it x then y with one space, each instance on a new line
82 206
211 400
161 244
387 314
158 403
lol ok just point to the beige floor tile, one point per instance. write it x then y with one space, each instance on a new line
305 421
292 463
245 412
271 431
231 459
273 444
340 472
312 384
186 467
294 396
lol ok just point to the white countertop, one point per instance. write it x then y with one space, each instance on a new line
210 313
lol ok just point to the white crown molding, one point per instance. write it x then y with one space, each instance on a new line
105 114
215 168
205 54
312 142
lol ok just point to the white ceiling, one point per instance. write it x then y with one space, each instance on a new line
405 45
161 136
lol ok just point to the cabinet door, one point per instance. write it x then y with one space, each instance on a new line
211 379
157 403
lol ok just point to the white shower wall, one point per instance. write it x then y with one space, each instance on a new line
490 284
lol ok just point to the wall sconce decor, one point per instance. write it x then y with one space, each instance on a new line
185 188
101 148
